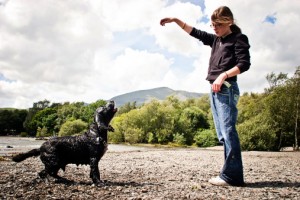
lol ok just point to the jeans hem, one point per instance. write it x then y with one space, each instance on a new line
231 182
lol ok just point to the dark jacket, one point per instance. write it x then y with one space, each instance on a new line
226 53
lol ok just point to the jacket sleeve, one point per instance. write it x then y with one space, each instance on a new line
206 38
242 53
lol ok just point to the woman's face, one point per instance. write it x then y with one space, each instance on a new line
221 29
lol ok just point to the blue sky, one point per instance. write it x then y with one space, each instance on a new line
271 18
77 50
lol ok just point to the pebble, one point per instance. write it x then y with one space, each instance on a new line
157 174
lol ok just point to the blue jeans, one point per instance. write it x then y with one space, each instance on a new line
223 105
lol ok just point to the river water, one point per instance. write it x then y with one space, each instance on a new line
11 145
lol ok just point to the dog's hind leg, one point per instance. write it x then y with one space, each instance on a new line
50 170
53 172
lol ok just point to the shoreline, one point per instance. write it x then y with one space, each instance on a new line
10 145
157 173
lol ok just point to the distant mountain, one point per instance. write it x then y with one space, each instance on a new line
161 93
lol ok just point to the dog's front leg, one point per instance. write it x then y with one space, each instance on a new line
94 173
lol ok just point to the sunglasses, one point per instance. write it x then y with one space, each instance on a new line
217 25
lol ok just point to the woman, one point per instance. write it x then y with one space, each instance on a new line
229 57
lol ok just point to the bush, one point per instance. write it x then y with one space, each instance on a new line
24 134
206 138
257 134
133 135
163 136
116 137
72 128
42 132
151 138
179 139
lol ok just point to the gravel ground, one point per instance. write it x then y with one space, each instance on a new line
157 173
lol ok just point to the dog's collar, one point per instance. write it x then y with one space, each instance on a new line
100 139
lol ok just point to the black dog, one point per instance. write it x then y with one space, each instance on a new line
88 148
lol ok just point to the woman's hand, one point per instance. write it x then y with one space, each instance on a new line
166 20
187 28
217 84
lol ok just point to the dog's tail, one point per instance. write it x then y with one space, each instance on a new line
22 156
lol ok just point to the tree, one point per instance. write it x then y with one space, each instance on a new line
161 122
190 121
293 86
29 126
11 121
281 108
275 80
72 128
117 136
250 105
126 108
206 138
86 112
69 111
258 133
18 117
45 118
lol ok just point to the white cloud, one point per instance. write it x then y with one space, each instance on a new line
131 69
171 37
77 50
130 14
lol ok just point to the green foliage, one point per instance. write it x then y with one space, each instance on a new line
45 119
134 135
266 121
42 132
126 108
29 123
179 139
86 112
11 121
151 138
190 121
161 122
164 136
257 134
206 138
69 111
282 104
117 136
72 128
275 80
269 121
53 116
249 106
